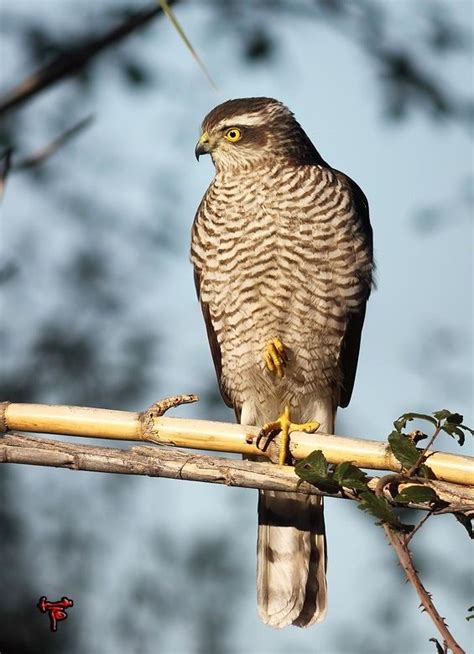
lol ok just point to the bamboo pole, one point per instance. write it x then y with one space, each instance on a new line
216 436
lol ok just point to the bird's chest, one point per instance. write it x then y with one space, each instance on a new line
246 240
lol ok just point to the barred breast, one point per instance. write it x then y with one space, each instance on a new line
280 251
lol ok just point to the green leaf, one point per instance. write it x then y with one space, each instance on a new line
400 423
470 610
403 449
327 485
417 494
350 476
314 469
314 464
455 418
442 414
381 509
471 431
453 431
466 522
407 417
426 472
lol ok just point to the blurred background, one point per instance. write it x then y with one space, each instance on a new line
97 306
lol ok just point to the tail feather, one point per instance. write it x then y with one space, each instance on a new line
291 559
291 546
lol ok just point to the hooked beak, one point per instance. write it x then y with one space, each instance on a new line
203 146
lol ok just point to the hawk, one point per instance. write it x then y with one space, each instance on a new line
283 263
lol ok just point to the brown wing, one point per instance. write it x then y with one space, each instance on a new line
351 343
213 343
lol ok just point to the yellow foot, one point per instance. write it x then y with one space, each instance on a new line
275 357
284 425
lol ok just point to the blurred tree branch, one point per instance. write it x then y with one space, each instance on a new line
5 166
73 60
8 164
51 148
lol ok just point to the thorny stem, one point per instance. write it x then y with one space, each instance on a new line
400 541
400 544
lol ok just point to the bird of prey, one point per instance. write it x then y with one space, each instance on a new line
282 256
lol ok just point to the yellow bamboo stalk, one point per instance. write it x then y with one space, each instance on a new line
217 436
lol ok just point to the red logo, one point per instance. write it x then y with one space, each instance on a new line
56 610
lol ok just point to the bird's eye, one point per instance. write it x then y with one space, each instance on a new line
233 135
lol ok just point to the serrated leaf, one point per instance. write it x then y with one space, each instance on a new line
416 494
350 476
403 449
313 466
455 418
355 484
327 485
400 423
407 417
466 522
453 431
381 509
426 472
439 649
442 414
314 469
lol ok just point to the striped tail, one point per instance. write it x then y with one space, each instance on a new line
291 559
291 551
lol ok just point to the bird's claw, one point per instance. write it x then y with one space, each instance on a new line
274 356
284 425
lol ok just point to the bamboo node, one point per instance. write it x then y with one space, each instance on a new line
3 417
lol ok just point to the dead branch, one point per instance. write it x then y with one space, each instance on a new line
169 463
73 60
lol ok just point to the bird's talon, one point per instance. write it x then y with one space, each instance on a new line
307 427
285 427
275 357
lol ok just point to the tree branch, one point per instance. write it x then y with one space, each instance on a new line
73 60
399 544
174 464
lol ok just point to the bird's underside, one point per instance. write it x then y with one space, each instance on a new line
282 254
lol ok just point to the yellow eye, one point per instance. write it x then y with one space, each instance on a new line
234 134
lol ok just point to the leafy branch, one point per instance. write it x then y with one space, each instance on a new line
408 487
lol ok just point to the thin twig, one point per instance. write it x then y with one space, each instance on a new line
5 166
409 536
51 148
399 544
421 458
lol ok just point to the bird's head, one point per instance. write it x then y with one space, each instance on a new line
250 132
